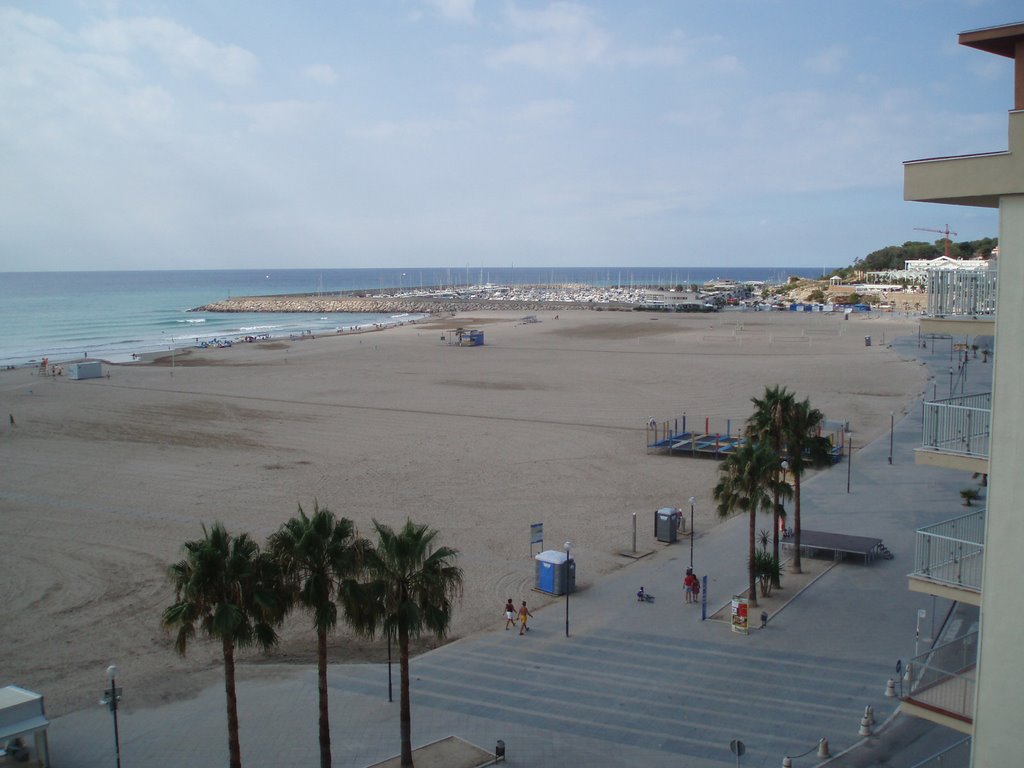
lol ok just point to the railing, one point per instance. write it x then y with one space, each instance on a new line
953 551
943 678
961 292
958 424
956 755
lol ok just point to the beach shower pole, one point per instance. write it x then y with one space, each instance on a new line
892 426
568 546
110 698
692 499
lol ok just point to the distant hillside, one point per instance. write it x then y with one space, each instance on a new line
894 256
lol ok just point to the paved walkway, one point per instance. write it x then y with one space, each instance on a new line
635 683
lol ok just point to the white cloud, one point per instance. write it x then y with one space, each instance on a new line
545 111
178 47
566 40
323 74
459 11
402 130
828 61
277 117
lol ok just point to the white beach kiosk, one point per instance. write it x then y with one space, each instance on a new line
22 716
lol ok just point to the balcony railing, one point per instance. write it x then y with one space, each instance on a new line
952 552
958 424
943 679
957 755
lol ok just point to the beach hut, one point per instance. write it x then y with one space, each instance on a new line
22 716
91 369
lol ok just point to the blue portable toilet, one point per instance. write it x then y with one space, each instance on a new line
551 572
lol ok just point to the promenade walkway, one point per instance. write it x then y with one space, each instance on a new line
635 684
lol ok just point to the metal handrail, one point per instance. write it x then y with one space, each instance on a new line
958 425
940 679
952 551
956 754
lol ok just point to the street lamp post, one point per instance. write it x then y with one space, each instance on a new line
390 700
785 476
892 426
692 500
568 546
110 699
849 458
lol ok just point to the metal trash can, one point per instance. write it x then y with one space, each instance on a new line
553 575
867 341
666 524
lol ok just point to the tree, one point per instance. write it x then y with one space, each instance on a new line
805 448
768 424
317 555
229 589
749 480
410 589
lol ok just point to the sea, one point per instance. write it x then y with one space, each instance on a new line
114 316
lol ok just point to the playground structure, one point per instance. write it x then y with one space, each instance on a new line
463 337
708 439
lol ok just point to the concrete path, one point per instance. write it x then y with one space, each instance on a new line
635 684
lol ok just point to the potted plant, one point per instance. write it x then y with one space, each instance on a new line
969 495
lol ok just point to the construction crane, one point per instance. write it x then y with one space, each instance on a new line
945 232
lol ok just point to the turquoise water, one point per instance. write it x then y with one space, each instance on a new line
112 315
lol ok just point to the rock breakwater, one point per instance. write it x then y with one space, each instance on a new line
390 305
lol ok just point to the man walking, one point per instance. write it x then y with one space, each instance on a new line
524 613
510 614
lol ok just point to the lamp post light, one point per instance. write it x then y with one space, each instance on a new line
110 699
849 458
892 426
692 500
568 546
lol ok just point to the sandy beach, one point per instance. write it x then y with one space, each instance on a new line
104 479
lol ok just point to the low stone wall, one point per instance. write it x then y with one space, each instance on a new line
384 305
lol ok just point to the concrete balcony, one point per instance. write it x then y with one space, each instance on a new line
942 684
948 558
956 432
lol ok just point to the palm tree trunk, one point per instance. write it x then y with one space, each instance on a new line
750 564
234 747
325 722
796 523
405 716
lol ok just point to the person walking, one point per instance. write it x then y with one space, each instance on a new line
524 613
510 614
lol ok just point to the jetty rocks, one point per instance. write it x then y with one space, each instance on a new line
392 305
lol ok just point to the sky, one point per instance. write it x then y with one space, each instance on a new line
449 133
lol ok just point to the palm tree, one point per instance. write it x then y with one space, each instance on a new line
231 591
410 589
317 555
749 481
806 448
767 424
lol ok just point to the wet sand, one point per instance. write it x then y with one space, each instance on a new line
104 479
